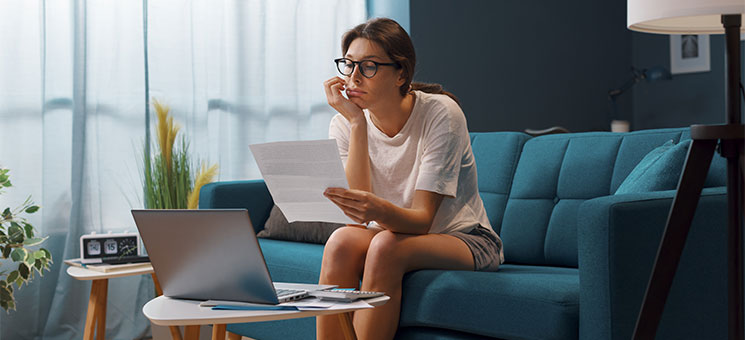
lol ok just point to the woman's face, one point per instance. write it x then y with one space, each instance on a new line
367 92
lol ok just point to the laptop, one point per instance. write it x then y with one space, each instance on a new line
211 255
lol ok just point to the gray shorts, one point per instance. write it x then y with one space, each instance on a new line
485 246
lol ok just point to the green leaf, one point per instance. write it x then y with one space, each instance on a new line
6 294
29 230
30 242
38 265
6 213
12 305
47 254
19 254
39 254
16 233
32 209
6 252
24 270
13 276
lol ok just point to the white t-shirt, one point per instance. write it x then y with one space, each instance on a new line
432 152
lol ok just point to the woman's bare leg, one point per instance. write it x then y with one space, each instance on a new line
343 260
388 258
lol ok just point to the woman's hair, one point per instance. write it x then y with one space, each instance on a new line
396 42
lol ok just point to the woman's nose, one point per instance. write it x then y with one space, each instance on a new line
356 76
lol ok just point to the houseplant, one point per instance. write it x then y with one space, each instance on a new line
168 177
18 241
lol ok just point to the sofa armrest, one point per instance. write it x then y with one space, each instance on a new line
252 195
618 237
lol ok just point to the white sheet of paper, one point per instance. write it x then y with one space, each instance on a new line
297 173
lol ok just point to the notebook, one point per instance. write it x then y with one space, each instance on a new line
211 255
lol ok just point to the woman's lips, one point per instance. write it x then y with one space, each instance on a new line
354 93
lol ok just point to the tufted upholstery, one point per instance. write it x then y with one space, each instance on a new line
557 173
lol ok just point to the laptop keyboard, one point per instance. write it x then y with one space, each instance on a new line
285 292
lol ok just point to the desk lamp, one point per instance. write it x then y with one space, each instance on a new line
648 75
699 17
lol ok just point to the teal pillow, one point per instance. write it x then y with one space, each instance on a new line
659 170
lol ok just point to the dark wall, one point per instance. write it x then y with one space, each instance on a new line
690 98
536 64
525 64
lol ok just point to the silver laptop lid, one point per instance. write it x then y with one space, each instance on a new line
206 254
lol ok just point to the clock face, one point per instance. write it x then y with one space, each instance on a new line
128 246
109 246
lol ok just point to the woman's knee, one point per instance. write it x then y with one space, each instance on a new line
345 245
385 252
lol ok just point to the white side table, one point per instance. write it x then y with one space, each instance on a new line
96 316
167 311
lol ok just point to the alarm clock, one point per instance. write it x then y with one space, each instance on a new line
96 248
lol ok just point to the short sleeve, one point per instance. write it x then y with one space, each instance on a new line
443 152
339 130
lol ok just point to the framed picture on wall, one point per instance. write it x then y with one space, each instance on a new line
689 53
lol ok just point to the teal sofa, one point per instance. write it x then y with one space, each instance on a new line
577 256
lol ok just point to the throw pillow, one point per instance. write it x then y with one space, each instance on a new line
277 227
658 170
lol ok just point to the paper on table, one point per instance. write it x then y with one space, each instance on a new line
297 173
304 304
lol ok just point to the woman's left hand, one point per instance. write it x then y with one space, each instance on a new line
360 206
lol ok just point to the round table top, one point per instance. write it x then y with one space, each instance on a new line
84 274
167 311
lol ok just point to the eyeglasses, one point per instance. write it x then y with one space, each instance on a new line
367 68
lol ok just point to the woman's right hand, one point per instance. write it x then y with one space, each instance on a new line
334 88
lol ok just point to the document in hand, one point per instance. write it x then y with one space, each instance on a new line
297 173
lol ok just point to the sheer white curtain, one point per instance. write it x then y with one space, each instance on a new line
74 89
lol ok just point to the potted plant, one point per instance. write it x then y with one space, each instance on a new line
18 242
168 177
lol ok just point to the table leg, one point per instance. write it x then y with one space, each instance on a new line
101 309
93 306
218 332
346 326
175 332
191 332
233 336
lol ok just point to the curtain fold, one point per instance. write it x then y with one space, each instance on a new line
76 78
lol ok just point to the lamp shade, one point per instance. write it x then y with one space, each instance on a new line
681 16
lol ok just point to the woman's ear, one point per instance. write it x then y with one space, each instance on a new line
401 78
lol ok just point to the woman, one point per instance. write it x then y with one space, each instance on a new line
411 174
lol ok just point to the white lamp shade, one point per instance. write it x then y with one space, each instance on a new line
681 16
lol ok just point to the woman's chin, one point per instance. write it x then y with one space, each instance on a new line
359 102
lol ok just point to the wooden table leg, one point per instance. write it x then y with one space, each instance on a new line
233 336
175 332
218 332
346 326
93 306
191 332
101 309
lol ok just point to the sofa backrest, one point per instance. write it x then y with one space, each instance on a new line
533 204
496 155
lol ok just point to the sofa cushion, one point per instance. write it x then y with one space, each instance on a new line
659 170
277 227
526 302
292 261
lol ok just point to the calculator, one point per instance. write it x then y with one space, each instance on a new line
343 295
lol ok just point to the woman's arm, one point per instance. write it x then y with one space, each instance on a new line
363 207
358 160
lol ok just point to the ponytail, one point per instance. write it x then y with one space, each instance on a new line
433 88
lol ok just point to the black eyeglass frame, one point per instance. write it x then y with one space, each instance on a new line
358 63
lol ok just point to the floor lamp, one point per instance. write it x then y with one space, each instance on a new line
699 17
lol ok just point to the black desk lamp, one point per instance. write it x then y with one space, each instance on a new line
648 75
699 17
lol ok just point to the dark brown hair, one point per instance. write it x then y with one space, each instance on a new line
396 42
